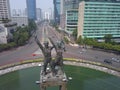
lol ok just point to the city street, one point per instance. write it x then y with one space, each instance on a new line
26 52
21 53
85 54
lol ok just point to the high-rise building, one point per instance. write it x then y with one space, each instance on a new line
56 11
96 19
74 4
47 16
20 20
71 15
62 15
14 12
62 3
3 35
31 9
51 13
18 12
71 4
66 6
39 14
25 12
71 20
4 10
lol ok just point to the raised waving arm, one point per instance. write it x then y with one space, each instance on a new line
39 44
63 45
53 44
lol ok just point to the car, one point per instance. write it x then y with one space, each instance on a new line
108 61
115 60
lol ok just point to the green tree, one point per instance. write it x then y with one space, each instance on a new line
80 40
16 37
75 34
108 38
21 35
66 40
32 25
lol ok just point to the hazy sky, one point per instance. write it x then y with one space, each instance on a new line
21 4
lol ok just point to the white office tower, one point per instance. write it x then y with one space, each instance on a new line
4 10
51 13
39 14
62 15
47 16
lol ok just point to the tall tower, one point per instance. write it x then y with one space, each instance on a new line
4 10
51 13
62 14
39 14
31 9
47 16
14 12
62 7
57 11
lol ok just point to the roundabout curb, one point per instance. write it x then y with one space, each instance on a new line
67 61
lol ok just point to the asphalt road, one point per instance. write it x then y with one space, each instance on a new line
22 53
25 52
85 54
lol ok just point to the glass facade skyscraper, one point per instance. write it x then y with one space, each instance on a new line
71 12
74 4
57 11
71 4
71 20
96 19
31 9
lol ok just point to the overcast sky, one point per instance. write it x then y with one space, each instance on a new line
21 4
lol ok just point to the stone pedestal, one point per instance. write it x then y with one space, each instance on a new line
50 80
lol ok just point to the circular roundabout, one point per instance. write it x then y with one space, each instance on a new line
82 79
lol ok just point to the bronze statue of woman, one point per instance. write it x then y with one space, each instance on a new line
46 50
59 48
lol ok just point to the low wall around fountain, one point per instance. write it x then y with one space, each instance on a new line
92 65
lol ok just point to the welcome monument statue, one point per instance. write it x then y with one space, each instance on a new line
52 73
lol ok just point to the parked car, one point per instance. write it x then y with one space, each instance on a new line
108 61
115 60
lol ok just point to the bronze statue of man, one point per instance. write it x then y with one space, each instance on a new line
46 50
59 48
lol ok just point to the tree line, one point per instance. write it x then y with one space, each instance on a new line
20 36
108 44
